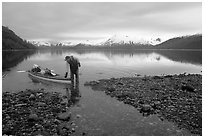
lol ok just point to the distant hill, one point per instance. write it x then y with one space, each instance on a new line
11 41
117 42
184 42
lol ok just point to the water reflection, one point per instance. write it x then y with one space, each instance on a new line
186 56
73 94
99 64
12 58
193 57
71 90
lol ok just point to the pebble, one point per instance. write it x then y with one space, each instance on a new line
33 117
17 105
83 133
146 108
73 130
73 124
57 121
41 104
156 104
78 116
32 97
111 89
64 116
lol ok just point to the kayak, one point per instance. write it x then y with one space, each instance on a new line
56 79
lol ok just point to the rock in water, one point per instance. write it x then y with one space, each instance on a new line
64 116
78 116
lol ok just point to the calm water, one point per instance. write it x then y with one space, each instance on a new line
101 114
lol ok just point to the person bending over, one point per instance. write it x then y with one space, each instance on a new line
74 64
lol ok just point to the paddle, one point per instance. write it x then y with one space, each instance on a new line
22 71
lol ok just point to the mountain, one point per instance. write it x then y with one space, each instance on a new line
120 41
49 44
129 40
184 42
12 41
115 41
124 41
69 44
41 43
83 45
133 42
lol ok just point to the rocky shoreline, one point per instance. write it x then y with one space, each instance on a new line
177 98
36 112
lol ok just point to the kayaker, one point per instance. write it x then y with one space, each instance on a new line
74 64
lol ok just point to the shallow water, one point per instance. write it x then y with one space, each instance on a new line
94 112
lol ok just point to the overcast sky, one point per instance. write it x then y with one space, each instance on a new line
92 21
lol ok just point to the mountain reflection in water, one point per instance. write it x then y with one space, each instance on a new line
186 56
12 58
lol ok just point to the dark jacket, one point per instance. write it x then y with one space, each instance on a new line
74 64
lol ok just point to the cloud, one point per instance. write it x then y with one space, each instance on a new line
81 35
58 21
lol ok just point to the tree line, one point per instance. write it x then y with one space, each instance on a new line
11 41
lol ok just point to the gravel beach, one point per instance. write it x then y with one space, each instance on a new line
177 98
36 112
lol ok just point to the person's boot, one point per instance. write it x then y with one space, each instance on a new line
66 75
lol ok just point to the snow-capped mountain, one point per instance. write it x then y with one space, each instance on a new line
66 44
121 40
87 43
125 39
41 43
116 40
155 41
72 43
